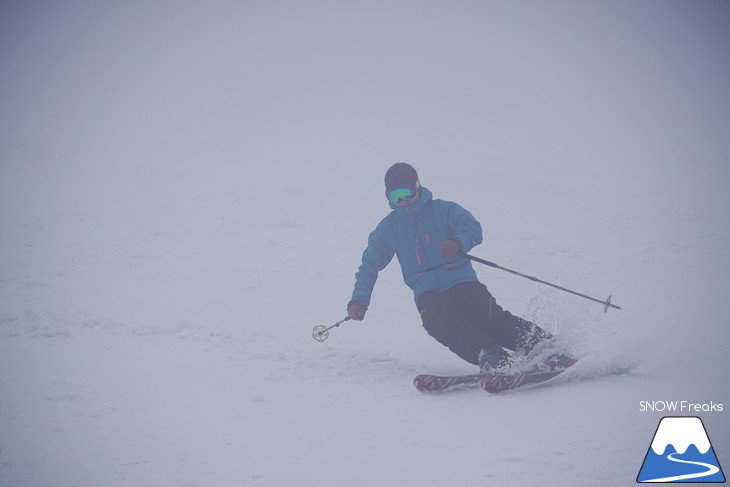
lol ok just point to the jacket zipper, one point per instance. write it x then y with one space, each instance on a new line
425 257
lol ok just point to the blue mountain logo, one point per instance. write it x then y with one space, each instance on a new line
681 452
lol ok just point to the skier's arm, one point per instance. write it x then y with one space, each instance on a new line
376 256
465 227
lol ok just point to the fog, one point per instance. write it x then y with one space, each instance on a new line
211 171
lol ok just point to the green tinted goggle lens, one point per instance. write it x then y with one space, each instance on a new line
405 194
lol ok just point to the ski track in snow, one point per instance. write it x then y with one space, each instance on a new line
145 402
193 404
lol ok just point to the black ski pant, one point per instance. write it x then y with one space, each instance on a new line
467 318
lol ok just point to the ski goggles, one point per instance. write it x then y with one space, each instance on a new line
405 194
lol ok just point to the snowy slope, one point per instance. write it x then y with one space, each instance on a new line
185 191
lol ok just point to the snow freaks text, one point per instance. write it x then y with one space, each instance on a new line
679 407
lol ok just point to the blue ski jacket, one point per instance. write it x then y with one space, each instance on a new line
414 234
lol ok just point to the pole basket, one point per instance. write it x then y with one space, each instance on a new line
320 333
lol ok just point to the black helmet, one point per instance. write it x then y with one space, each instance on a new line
400 175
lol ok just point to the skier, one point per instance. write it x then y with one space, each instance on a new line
427 235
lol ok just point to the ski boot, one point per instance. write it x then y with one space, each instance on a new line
494 361
559 361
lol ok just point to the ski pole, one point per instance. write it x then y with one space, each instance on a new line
321 332
606 304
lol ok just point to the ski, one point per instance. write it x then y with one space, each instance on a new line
496 383
445 383
493 383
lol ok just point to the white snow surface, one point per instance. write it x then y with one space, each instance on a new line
186 189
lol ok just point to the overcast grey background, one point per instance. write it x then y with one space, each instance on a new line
187 187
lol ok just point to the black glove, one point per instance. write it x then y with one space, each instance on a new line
451 247
356 310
